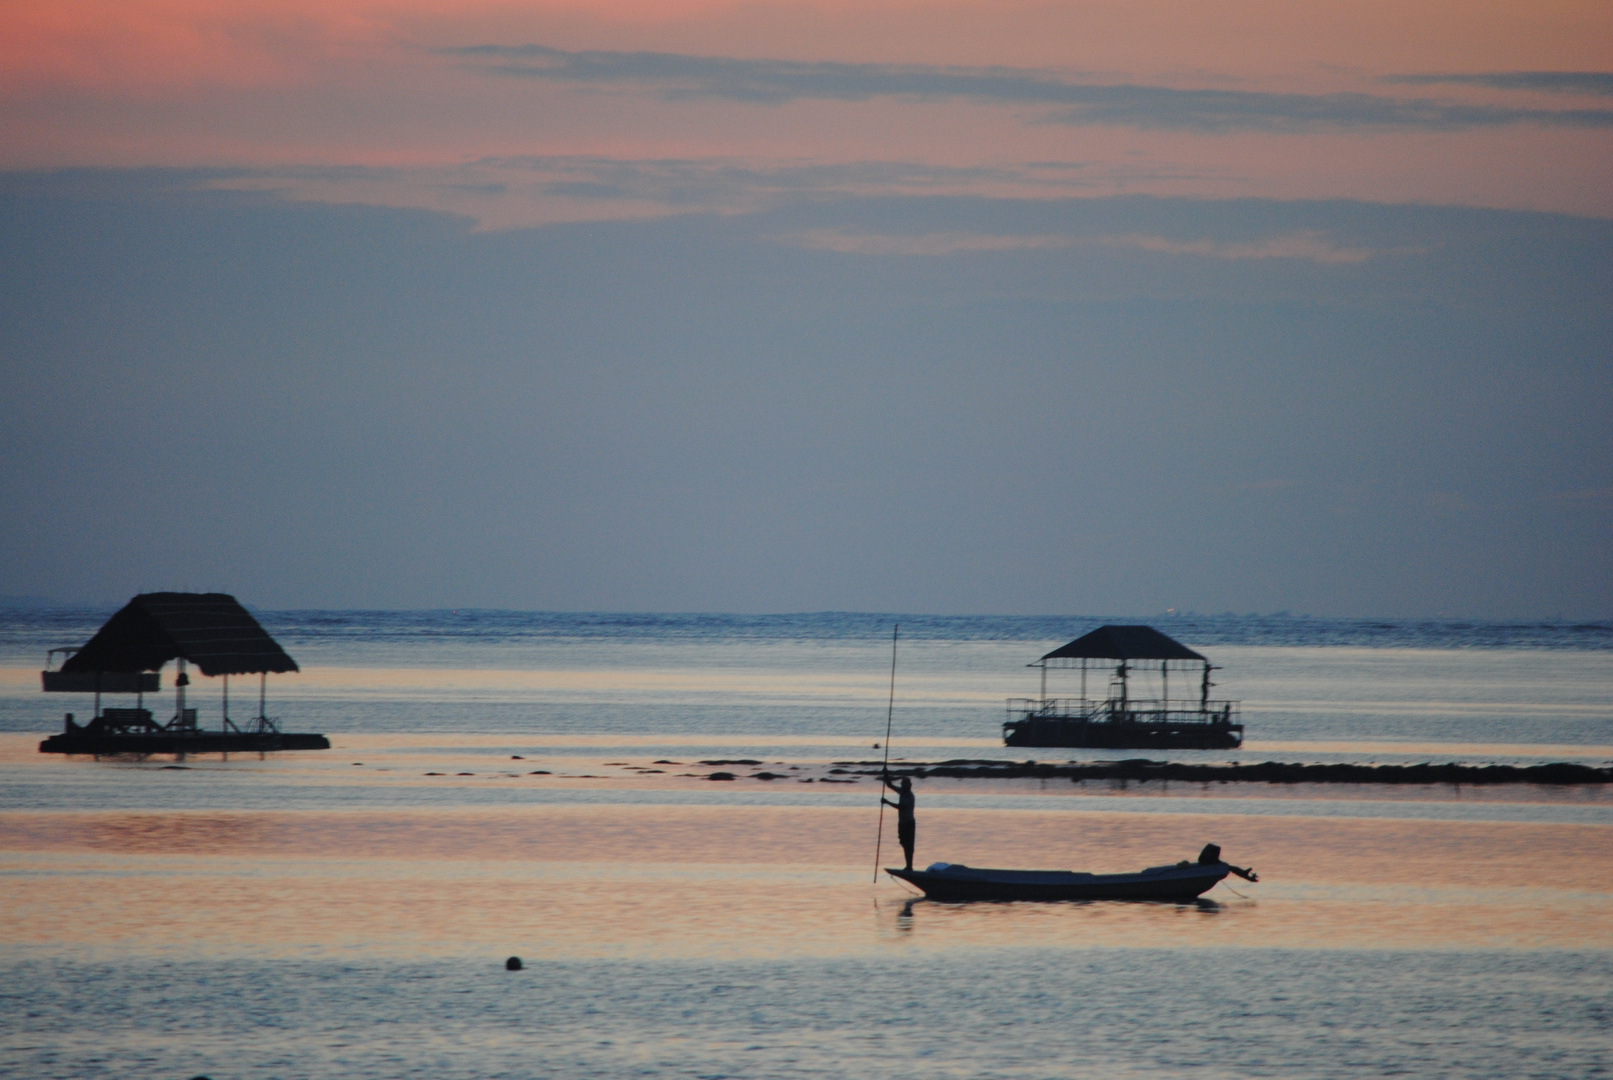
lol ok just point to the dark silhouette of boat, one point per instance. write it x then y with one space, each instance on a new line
1179 882
1120 720
212 631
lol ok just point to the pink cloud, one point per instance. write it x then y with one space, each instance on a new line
306 83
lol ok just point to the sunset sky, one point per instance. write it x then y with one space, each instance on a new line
975 306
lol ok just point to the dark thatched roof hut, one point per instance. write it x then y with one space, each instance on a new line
1123 643
211 630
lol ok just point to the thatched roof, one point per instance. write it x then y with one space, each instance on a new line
1123 643
211 630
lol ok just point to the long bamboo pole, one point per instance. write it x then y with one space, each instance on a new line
890 711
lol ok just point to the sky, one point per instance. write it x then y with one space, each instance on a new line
986 306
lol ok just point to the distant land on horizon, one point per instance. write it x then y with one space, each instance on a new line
14 601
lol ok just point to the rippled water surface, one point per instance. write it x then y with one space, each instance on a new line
992 1013
504 784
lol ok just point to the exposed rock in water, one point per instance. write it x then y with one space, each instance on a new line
1270 772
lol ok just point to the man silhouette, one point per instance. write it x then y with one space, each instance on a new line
906 826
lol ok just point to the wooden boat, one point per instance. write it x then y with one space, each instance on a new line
1180 882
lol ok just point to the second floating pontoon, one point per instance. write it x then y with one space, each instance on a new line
1121 720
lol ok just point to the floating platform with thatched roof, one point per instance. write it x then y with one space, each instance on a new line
1121 719
126 656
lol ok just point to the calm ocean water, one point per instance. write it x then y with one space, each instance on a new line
1097 1013
514 783
1316 681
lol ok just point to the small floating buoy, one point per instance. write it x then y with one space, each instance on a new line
876 746
513 964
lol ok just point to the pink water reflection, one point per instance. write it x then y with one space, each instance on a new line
784 881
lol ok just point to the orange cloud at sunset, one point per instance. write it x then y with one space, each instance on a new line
1216 99
96 42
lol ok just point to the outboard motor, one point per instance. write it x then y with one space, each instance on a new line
1211 855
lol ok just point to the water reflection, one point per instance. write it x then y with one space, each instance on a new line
638 881
1397 698
1019 1014
905 916
94 905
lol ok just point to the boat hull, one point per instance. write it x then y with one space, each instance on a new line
963 883
1111 735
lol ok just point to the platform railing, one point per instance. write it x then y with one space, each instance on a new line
1136 710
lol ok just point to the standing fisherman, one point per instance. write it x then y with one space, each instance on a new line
906 826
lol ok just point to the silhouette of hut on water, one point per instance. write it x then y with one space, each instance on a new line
1121 719
210 630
